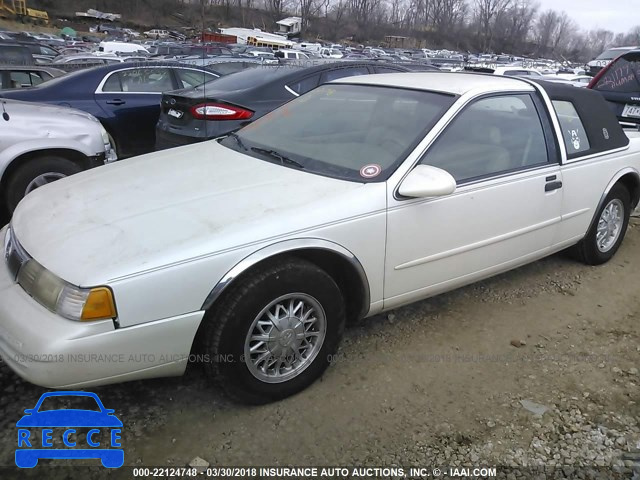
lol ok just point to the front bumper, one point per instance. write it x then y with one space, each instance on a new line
51 351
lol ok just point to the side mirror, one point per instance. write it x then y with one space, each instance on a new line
427 181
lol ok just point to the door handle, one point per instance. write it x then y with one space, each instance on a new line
549 187
115 101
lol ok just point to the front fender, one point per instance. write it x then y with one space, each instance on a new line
286 246
8 155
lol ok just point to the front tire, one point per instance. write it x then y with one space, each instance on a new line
35 173
273 334
606 234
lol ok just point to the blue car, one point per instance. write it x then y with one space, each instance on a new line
125 97
92 415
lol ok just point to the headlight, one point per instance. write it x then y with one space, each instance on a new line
105 135
62 298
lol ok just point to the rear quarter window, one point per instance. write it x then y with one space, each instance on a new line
573 132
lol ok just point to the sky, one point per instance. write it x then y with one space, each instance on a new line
619 16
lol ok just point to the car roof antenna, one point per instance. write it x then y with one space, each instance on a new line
5 115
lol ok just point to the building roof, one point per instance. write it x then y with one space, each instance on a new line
289 21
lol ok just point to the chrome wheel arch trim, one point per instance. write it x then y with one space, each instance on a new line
291 246
613 181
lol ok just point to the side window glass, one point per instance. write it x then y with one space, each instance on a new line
36 78
112 84
575 136
341 73
193 78
146 80
304 85
491 136
20 80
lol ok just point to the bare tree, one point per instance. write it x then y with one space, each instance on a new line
487 12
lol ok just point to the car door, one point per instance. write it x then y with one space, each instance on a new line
505 211
130 99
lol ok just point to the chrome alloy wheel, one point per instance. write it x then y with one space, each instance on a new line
610 225
43 179
285 338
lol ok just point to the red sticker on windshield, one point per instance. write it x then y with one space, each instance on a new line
370 171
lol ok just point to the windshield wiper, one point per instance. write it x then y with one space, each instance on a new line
278 156
236 137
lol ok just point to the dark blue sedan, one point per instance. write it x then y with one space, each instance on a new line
125 97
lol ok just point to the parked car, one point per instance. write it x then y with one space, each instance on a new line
619 83
15 54
506 171
331 53
215 109
35 48
602 60
517 71
121 96
157 33
122 47
74 141
291 55
27 76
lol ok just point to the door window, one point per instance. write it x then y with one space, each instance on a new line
491 136
25 79
140 80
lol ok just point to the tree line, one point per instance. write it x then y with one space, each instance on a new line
518 27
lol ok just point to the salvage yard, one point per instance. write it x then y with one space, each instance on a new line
438 383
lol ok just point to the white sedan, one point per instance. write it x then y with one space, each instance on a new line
250 253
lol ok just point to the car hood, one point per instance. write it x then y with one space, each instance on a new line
41 111
173 206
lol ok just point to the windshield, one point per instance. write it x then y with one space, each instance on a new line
353 132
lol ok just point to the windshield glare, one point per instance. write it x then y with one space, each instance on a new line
354 132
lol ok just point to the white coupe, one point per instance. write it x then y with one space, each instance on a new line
251 252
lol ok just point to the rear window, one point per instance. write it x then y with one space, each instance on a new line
573 132
622 76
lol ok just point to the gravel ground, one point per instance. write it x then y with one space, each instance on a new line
535 368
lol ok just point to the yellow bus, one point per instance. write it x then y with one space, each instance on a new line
272 44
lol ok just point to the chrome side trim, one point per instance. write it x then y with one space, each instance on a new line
290 246
480 244
597 155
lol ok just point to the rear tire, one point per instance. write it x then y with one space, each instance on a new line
607 232
274 333
34 173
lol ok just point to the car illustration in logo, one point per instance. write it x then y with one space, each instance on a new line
103 439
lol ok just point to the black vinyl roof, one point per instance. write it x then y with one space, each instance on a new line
601 124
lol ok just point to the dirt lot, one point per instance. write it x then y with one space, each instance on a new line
438 383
